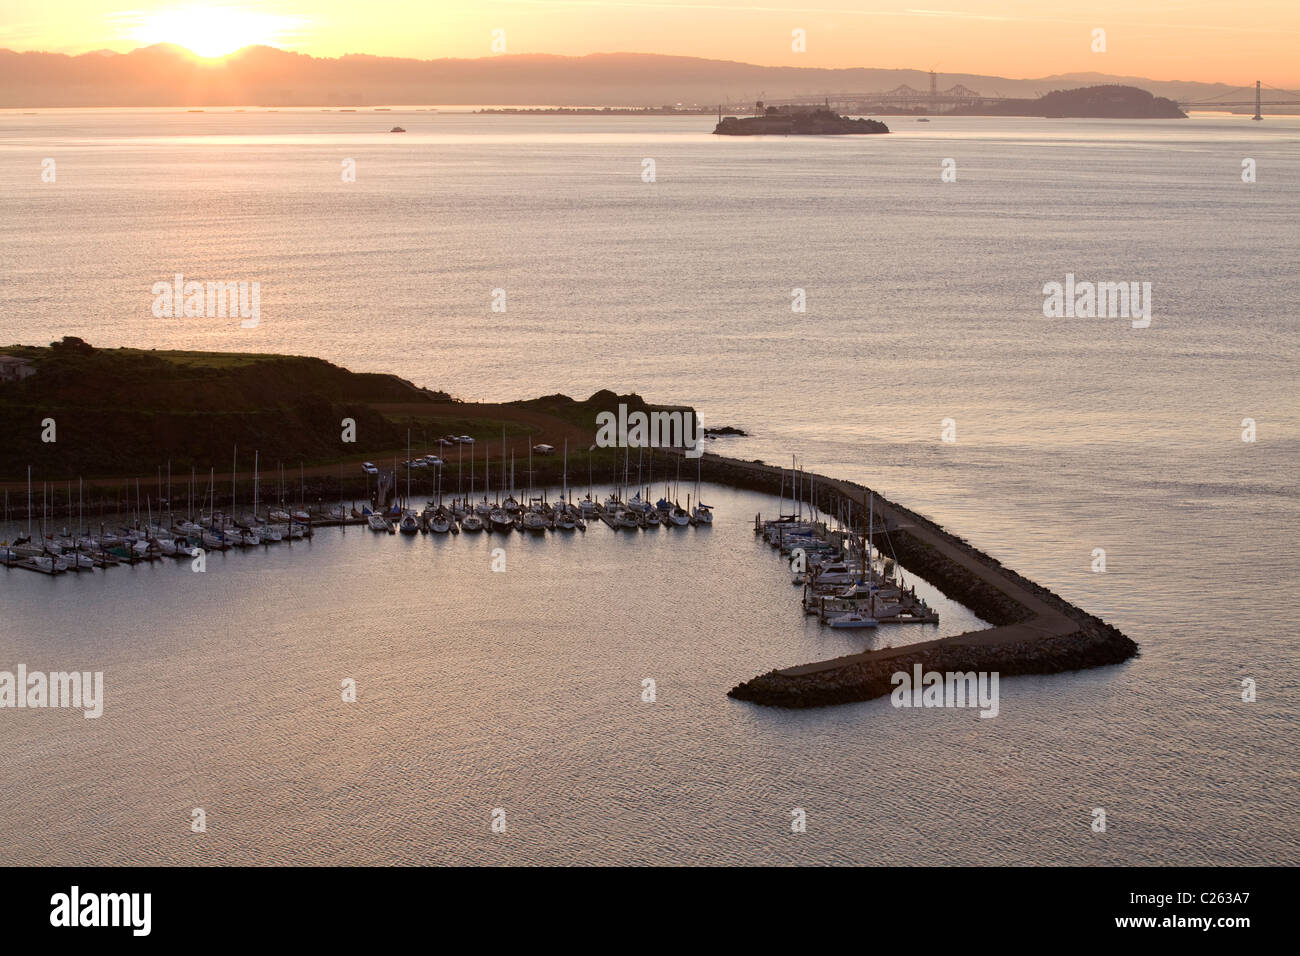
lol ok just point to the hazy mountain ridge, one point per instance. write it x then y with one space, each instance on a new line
167 75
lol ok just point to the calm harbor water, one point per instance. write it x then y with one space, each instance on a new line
522 690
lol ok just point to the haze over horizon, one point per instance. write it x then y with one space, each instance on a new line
165 74
1214 41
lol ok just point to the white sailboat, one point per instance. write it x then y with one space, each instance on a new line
702 513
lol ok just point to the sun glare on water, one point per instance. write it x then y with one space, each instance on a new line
208 31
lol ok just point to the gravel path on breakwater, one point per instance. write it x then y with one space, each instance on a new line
1034 632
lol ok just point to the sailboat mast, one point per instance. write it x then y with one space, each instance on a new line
699 465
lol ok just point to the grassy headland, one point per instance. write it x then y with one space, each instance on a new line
122 413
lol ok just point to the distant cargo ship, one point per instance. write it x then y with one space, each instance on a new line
792 121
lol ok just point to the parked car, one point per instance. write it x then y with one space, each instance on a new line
369 468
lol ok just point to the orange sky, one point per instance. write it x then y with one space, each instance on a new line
1233 41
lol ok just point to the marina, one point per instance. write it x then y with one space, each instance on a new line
847 583
845 566
137 537
82 549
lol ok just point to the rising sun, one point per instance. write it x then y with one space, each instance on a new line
209 31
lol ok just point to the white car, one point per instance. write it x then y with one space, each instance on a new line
369 468
433 461
464 439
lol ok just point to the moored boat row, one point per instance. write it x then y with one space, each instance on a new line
839 570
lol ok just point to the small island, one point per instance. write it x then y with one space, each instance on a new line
795 121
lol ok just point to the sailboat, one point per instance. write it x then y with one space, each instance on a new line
566 516
587 506
440 521
533 519
702 513
483 509
476 513
859 618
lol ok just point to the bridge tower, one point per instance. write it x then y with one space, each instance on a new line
1258 115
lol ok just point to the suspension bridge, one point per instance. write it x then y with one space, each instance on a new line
1288 98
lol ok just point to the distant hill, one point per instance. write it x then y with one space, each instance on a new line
1115 102
1098 102
167 75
